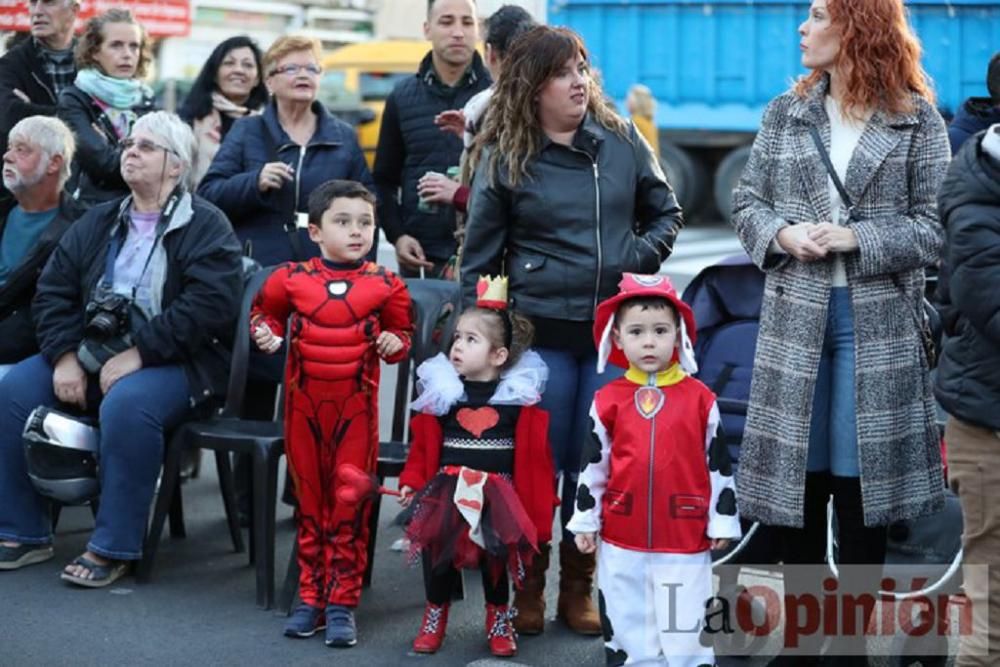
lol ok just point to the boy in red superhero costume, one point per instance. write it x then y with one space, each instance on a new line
480 472
346 314
656 483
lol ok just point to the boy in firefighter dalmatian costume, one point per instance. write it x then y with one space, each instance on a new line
656 483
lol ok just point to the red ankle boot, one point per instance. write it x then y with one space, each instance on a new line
500 630
432 629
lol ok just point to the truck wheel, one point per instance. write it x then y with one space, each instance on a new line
727 175
686 174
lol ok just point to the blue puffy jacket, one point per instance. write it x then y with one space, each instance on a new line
261 217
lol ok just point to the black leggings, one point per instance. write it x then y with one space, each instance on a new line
442 581
857 545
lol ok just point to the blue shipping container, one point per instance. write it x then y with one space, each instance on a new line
713 65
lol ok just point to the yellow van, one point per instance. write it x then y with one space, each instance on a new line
362 75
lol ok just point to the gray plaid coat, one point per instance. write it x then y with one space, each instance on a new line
892 178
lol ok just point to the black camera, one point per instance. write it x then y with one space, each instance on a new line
107 315
108 329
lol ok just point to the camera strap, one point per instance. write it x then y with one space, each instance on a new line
115 245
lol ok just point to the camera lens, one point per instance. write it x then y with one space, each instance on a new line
102 325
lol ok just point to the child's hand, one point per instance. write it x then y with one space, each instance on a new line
405 496
719 544
266 340
586 543
388 344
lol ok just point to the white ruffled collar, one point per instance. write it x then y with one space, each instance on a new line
440 387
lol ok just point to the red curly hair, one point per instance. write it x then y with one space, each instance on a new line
879 57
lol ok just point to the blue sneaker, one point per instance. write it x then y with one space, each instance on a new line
340 629
12 558
305 621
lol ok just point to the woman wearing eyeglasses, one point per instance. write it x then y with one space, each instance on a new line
104 102
269 164
173 263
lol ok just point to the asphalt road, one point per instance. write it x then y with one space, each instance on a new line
199 607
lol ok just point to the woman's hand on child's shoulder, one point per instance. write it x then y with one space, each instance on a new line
718 544
388 344
586 542
405 496
266 340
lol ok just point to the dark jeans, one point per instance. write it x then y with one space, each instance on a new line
573 380
133 418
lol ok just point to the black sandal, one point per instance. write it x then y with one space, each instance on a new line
100 575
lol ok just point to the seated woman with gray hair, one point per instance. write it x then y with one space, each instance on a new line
163 264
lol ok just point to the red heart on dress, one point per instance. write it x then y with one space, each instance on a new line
478 420
471 504
472 477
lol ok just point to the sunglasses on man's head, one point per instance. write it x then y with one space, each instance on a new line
144 145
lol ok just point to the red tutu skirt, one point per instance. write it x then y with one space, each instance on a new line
437 528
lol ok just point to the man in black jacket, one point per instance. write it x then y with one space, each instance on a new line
34 72
35 168
410 144
977 113
968 375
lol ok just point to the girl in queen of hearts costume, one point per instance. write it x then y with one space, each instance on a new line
656 483
479 474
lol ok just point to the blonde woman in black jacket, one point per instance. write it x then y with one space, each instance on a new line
105 100
566 197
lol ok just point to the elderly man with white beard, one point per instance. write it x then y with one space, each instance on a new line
36 165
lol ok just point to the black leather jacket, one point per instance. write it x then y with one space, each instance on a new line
583 215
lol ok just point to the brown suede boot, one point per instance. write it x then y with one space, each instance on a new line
576 581
529 600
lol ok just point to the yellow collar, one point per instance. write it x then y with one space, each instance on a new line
672 375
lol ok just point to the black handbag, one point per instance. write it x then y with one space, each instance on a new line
921 318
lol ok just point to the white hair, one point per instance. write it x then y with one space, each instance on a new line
52 136
175 135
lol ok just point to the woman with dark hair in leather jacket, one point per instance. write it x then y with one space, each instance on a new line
566 197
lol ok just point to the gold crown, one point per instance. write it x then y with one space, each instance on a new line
491 292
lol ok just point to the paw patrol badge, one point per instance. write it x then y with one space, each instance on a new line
648 401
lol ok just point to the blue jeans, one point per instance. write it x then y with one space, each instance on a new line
833 435
568 394
133 418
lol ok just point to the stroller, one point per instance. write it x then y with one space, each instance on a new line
726 300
